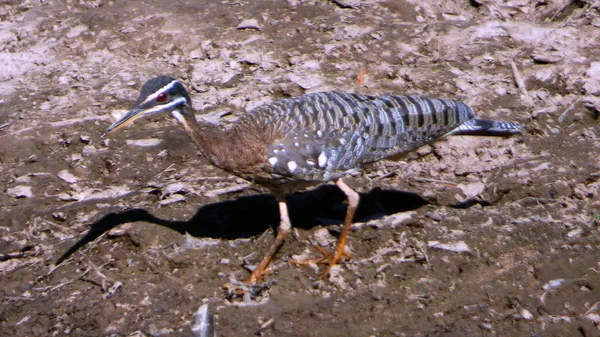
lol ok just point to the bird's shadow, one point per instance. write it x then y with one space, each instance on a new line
249 216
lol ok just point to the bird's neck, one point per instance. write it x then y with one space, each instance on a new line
224 149
197 132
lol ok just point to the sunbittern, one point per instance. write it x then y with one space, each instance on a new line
315 138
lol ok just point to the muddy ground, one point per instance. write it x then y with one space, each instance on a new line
472 236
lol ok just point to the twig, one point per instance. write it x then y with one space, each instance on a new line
17 255
226 190
562 8
563 116
427 180
518 78
5 125
420 247
58 124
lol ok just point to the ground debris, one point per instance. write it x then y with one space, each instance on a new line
241 294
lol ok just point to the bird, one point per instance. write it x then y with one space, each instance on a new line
316 138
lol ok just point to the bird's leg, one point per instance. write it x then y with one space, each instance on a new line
353 199
283 231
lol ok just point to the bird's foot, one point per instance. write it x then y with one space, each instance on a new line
329 258
257 274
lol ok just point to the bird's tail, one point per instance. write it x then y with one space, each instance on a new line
486 127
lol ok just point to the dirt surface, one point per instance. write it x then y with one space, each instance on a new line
507 244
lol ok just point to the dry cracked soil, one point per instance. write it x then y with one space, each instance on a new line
470 236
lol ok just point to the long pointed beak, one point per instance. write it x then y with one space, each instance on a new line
145 108
127 119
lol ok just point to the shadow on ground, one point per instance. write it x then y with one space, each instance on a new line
251 215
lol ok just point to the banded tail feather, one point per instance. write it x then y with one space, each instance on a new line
486 127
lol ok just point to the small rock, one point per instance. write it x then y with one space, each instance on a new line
526 315
67 176
553 284
473 189
574 233
323 237
76 157
85 139
59 216
249 24
172 199
306 81
24 179
197 53
562 188
20 191
592 82
88 149
425 150
457 247
545 58
173 188
486 326
76 31
146 301
144 142
400 219
435 216
32 159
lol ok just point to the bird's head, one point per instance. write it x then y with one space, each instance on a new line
160 94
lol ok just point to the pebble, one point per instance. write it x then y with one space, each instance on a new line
562 188
67 176
20 191
323 237
143 142
59 216
526 315
249 24
86 139
546 58
457 246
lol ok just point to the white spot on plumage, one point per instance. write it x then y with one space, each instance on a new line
343 141
319 133
296 144
292 166
273 161
310 162
276 151
322 159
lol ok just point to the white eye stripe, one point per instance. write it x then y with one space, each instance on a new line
160 91
160 108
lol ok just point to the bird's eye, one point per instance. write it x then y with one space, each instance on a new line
161 98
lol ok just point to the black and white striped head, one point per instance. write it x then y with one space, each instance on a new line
160 94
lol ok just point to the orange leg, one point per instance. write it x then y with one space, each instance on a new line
283 231
353 199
